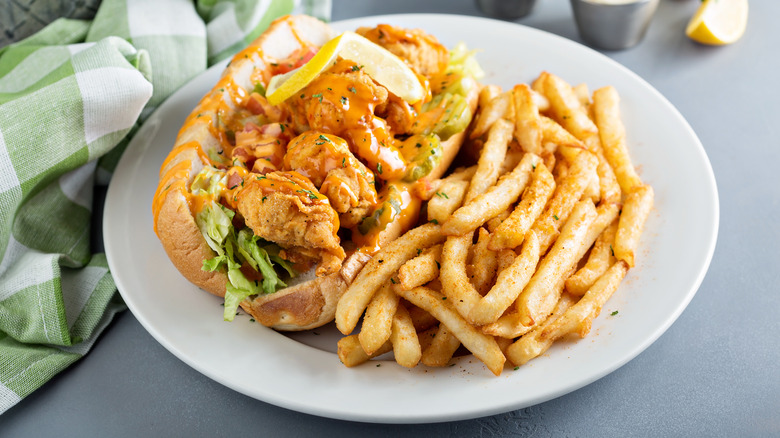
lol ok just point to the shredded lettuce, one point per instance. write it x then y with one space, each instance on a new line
462 60
259 259
233 250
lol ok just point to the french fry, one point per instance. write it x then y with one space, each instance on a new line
609 189
505 259
592 190
378 320
565 143
488 93
528 130
379 269
566 108
599 260
427 189
511 160
530 345
426 336
512 231
541 102
351 353
441 349
566 195
406 346
580 316
493 201
582 93
496 221
484 347
493 154
455 283
632 220
509 284
421 319
538 298
606 111
510 326
498 107
421 269
484 264
605 215
446 199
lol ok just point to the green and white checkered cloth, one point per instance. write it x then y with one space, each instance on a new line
70 98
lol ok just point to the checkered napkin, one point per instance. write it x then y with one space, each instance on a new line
71 96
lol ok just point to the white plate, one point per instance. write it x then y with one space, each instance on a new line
303 374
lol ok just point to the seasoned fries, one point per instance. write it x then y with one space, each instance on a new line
441 349
481 345
512 231
378 320
632 221
524 248
538 298
406 345
508 285
606 113
455 283
493 154
420 270
491 203
528 126
379 270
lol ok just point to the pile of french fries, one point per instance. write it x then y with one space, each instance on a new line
520 250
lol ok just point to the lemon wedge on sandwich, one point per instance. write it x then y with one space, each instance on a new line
718 22
383 66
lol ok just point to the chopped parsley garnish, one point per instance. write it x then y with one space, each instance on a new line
353 89
344 162
556 217
311 194
356 67
442 195
318 96
614 313
344 100
434 221
281 126
264 198
379 168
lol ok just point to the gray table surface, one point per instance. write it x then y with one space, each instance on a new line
716 371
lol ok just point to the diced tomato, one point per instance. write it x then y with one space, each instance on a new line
234 179
295 60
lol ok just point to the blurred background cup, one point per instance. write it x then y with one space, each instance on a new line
506 9
613 24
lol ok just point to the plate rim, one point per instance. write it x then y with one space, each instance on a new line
328 412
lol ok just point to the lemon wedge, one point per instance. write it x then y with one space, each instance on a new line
718 22
384 67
